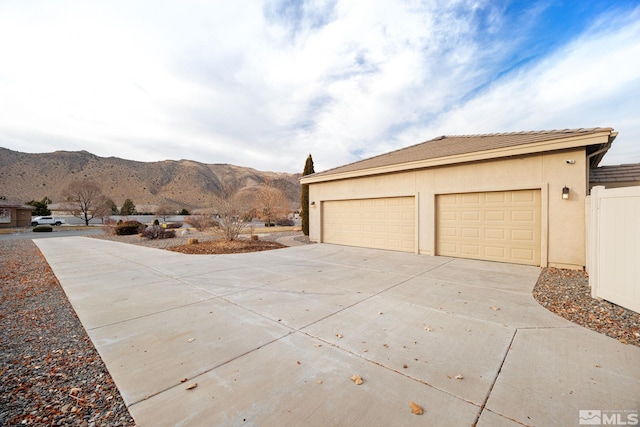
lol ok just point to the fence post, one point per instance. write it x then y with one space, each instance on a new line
593 250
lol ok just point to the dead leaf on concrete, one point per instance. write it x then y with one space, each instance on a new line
595 365
428 328
191 340
459 377
191 386
184 380
357 379
415 408
494 308
339 335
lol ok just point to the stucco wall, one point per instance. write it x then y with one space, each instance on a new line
563 221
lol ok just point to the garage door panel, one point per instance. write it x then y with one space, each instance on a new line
498 226
523 235
495 251
473 233
526 216
495 197
473 250
471 216
470 198
494 215
524 196
385 223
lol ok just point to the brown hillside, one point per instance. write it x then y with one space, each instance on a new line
184 183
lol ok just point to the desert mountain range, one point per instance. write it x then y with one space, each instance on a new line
183 183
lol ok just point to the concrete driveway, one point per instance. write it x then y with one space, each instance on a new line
273 338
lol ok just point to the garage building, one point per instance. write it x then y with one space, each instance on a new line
509 197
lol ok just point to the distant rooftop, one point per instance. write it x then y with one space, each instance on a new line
617 173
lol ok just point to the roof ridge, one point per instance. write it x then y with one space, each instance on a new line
530 132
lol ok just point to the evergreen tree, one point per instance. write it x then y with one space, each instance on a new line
304 200
128 208
41 207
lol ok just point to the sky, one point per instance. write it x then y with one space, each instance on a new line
263 84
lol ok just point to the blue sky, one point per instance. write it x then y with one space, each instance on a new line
263 84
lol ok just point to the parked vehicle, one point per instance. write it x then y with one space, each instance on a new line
46 220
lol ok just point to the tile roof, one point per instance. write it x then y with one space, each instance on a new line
617 173
444 146
4 203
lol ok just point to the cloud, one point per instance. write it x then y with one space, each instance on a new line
265 84
590 82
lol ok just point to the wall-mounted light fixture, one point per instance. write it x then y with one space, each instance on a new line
313 204
565 193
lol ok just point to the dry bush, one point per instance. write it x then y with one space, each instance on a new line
157 232
109 226
201 221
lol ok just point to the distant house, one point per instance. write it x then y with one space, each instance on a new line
14 214
615 176
510 197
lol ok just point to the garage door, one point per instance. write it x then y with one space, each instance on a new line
386 223
496 226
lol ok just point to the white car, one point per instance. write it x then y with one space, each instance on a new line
46 220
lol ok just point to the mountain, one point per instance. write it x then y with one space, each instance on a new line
183 183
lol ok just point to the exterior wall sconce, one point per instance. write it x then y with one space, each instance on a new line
313 204
565 193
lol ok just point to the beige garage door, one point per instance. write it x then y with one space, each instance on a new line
386 223
496 226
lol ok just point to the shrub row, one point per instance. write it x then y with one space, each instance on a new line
128 228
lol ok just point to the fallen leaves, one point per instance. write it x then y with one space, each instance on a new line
191 386
494 308
416 409
357 379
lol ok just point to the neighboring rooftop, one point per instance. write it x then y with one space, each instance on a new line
617 173
455 145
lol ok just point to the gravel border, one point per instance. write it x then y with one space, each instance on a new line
51 373
567 293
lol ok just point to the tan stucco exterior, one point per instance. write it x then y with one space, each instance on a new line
563 221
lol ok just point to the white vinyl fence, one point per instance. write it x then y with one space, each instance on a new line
613 245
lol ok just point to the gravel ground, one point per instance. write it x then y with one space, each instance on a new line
567 293
53 376
51 373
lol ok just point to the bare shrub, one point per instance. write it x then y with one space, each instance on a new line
109 227
157 232
201 221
